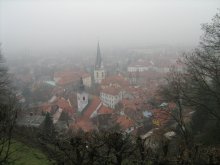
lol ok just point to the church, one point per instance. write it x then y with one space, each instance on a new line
82 97
99 71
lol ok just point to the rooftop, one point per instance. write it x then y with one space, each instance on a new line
83 124
125 122
104 110
91 107
116 79
111 91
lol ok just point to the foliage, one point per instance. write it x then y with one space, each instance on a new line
8 113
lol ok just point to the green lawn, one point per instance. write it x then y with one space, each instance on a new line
25 155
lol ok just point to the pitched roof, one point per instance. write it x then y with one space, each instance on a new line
116 79
65 105
104 110
83 124
111 91
69 76
125 122
91 107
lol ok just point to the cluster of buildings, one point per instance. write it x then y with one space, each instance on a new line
82 100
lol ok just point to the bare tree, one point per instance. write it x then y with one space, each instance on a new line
197 88
203 70
8 113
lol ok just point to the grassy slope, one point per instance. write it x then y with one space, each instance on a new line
25 155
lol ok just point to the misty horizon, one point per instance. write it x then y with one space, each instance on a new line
53 27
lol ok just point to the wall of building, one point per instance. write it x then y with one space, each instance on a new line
87 81
111 100
82 101
99 75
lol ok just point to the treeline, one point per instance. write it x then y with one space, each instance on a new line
117 148
196 90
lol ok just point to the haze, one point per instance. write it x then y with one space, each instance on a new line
53 26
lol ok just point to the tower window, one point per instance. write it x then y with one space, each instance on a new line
84 98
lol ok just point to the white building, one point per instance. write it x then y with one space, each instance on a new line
82 97
137 68
87 80
110 97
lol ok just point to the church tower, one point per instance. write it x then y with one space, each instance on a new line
99 72
82 97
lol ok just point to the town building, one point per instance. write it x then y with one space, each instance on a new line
110 96
69 78
82 97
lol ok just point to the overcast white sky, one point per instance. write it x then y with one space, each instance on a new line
54 25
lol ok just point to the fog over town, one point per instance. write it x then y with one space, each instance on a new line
109 82
49 27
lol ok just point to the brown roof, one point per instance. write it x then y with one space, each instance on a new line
111 91
91 107
69 76
65 105
125 122
104 110
83 124
116 79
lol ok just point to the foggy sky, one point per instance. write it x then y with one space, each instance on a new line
56 25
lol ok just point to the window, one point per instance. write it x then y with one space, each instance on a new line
84 98
97 74
102 74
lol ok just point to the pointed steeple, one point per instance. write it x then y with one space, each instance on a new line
81 85
98 63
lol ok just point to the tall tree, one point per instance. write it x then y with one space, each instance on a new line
8 113
203 70
48 126
197 89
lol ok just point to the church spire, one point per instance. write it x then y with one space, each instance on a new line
81 87
98 63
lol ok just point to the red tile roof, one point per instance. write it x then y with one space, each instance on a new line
116 79
111 91
83 124
65 105
125 122
45 107
105 110
91 107
84 121
69 76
